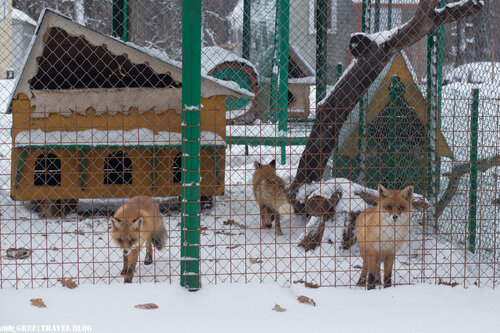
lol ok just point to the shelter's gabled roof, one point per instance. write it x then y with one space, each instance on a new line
297 66
212 56
67 57
378 97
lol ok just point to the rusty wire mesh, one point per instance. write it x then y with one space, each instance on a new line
89 121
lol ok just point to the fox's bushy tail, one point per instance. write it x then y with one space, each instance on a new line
160 239
285 209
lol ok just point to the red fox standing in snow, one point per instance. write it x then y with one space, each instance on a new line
137 222
381 231
269 192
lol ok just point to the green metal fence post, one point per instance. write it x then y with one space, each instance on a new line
391 158
119 20
247 34
376 22
389 15
339 72
474 126
191 100
284 29
434 83
321 49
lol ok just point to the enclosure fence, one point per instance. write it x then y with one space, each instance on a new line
263 130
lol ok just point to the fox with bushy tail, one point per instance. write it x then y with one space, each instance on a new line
137 222
269 192
381 231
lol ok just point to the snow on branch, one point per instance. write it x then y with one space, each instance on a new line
427 18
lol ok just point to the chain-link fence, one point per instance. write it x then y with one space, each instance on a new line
268 167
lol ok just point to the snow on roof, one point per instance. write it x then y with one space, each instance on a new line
94 137
302 62
212 56
22 16
57 19
163 56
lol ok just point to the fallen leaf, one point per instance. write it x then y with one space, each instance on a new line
233 247
38 303
255 261
68 283
228 222
204 227
307 284
147 306
451 284
306 300
76 232
278 308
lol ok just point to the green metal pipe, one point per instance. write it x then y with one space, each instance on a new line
434 84
119 20
377 16
474 126
247 32
191 101
321 49
389 15
391 158
283 56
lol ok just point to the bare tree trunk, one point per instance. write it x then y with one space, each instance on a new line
371 57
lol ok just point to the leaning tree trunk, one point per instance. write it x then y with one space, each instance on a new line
372 53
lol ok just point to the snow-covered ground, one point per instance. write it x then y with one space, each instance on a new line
233 246
248 308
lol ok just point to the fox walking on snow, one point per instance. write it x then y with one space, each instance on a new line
137 222
381 231
269 192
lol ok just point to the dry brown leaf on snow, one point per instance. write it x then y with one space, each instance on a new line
306 300
307 284
68 283
255 261
278 308
147 306
38 303
228 222
444 283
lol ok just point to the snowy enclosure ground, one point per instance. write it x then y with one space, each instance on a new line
245 308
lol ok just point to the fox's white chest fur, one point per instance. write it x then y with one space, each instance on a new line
393 232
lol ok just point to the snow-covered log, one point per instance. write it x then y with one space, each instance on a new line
323 200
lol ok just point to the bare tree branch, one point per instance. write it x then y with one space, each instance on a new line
456 173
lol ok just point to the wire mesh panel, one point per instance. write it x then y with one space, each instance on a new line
335 138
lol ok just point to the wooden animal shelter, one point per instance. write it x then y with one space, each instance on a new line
93 117
386 142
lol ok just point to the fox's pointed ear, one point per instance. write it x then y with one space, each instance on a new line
257 165
115 224
137 223
273 163
382 191
407 193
